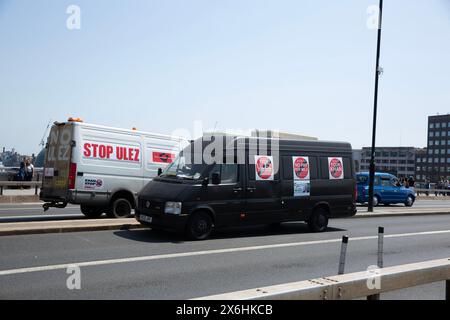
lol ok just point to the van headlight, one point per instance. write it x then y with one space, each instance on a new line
173 207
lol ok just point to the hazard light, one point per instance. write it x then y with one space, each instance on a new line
134 129
71 119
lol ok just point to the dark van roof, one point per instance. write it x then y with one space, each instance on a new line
289 144
283 144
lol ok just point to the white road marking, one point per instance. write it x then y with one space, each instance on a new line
18 209
207 252
42 216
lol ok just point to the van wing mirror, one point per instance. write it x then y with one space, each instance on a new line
215 178
159 171
205 182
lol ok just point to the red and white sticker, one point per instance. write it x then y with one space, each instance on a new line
264 168
162 157
111 152
301 168
336 168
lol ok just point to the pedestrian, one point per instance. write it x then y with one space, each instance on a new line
405 183
411 182
29 170
22 171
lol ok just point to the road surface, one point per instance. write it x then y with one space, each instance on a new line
159 265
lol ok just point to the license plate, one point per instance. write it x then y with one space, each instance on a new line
145 218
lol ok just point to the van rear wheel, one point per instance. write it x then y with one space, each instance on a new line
91 212
318 221
120 208
199 226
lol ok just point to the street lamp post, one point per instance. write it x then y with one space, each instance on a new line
375 105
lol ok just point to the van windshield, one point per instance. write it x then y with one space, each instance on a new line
181 170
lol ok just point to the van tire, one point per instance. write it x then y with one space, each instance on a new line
318 221
91 212
120 208
199 226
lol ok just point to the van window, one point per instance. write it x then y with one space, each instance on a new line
288 173
324 170
228 172
251 170
347 168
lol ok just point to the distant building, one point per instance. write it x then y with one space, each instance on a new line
438 164
12 158
357 157
399 161
422 165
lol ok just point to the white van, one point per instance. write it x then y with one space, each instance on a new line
102 168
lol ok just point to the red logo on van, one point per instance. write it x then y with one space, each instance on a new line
301 168
336 168
264 168
163 157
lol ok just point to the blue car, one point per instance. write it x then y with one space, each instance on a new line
387 190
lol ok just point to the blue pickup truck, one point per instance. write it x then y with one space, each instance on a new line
386 190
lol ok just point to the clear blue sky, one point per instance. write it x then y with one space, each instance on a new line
300 66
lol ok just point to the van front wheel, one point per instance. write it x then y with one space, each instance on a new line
199 226
91 212
120 208
318 221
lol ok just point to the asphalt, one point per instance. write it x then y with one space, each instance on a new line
159 265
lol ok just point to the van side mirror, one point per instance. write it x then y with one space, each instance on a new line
159 171
205 182
215 178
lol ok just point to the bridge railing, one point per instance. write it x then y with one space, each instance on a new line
369 284
432 191
20 184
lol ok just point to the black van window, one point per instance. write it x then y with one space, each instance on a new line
228 172
288 173
313 168
324 173
324 170
287 168
251 170
347 168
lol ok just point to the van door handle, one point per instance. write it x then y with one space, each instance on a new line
236 190
251 189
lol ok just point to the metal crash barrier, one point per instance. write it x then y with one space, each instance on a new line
20 184
352 285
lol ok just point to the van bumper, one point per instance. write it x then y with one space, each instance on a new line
163 221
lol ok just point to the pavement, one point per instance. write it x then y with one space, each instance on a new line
146 264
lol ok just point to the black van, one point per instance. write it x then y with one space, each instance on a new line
289 180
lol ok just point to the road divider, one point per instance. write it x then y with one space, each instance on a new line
352 285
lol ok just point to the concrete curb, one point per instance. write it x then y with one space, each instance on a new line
5 199
43 227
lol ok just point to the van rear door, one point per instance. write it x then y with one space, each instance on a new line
58 162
